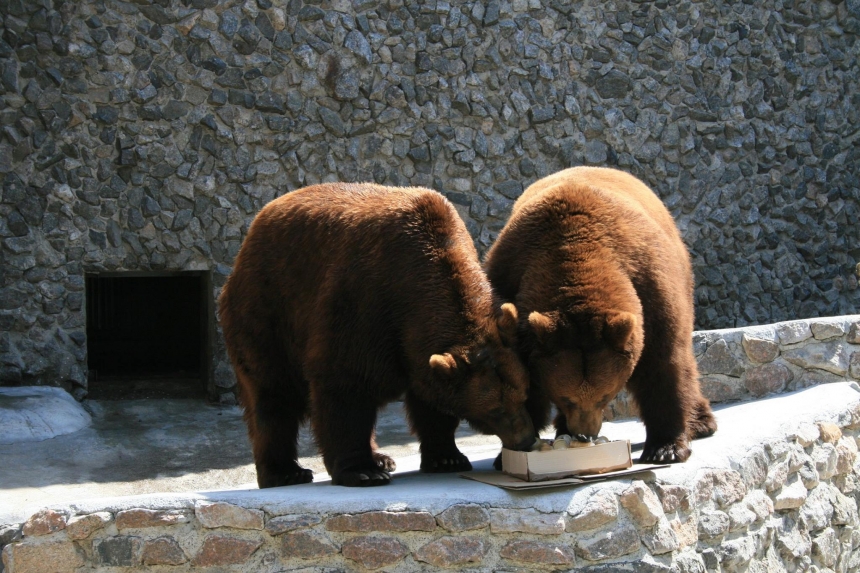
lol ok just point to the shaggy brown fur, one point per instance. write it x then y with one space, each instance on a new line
345 297
604 287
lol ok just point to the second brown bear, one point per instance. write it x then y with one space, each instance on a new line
346 296
603 285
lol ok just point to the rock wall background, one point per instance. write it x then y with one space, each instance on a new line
145 135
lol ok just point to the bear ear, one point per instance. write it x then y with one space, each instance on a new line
619 331
544 326
443 364
507 322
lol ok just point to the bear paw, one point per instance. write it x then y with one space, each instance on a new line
704 424
293 477
445 463
384 461
361 478
674 452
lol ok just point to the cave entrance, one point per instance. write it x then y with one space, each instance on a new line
148 335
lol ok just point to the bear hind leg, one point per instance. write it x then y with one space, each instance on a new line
661 400
273 427
435 431
343 426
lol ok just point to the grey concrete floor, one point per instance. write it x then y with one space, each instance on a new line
162 445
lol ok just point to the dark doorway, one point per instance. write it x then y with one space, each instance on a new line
146 336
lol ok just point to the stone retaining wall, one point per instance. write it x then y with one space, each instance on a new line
757 361
789 503
144 136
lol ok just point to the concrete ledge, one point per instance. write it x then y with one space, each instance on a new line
775 489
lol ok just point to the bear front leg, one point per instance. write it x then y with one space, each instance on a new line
343 425
659 392
273 428
435 431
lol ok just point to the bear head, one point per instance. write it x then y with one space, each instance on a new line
490 383
581 361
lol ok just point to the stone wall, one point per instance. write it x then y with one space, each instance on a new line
788 503
145 135
758 361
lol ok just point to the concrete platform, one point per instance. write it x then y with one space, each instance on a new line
135 447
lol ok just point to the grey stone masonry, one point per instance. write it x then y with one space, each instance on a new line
776 489
143 136
756 361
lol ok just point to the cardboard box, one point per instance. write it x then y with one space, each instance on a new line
555 464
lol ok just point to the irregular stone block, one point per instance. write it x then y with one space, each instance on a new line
661 539
776 476
826 330
374 552
830 433
463 518
760 504
719 359
824 457
791 541
793 332
719 388
740 517
383 521
854 365
759 350
686 529
212 515
817 510
673 497
642 503
790 496
44 522
225 550
601 508
55 556
119 551
622 540
713 524
452 551
846 454
767 379
525 521
829 356
285 523
306 545
538 552
723 486
82 526
163 551
806 434
854 333
826 547
736 553
138 518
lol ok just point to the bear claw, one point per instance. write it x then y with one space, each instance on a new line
384 461
446 463
667 453
362 478
300 476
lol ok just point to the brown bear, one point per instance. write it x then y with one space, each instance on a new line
344 297
603 285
